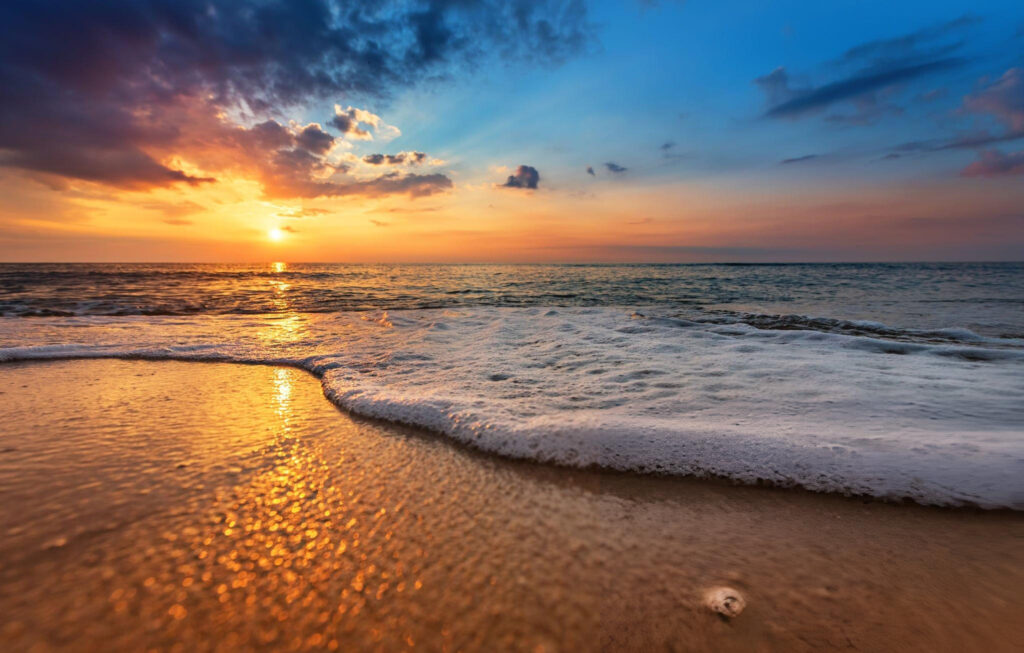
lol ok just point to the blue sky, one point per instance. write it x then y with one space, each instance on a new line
683 73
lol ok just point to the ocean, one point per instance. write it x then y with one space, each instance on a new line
899 381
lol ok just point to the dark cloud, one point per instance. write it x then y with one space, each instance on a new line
348 125
290 229
350 120
590 171
380 223
313 139
116 92
178 222
876 67
125 168
667 145
273 154
993 163
615 167
804 101
402 158
525 177
800 159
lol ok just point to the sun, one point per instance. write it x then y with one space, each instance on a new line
276 235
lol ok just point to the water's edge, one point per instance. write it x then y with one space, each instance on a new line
319 372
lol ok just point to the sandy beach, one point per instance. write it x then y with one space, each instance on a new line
200 506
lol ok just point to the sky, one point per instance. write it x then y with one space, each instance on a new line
520 131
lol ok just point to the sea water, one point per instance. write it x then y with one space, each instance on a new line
901 381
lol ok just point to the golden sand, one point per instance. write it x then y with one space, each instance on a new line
195 506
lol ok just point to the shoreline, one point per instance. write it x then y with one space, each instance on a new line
319 376
237 508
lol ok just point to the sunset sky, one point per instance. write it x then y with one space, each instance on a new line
187 130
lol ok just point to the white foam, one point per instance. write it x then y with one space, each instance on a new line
938 423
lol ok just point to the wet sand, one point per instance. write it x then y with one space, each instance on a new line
201 506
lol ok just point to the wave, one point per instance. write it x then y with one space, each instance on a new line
935 422
868 328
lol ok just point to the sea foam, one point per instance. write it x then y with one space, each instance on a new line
934 417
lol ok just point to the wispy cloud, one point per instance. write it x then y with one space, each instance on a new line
993 163
800 159
876 66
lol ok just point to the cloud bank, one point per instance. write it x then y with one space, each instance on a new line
147 93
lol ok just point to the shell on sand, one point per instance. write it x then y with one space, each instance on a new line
725 601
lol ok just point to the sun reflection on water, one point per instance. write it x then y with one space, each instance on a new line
283 393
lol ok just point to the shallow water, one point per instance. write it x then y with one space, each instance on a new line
897 381
226 507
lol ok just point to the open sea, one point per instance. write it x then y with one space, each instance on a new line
900 381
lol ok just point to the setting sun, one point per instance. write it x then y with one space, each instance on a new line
276 235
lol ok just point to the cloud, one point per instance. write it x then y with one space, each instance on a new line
670 152
138 94
1003 99
349 119
380 223
314 140
388 184
802 102
277 156
402 158
127 168
349 126
877 67
882 50
615 168
993 163
525 177
178 222
800 159
303 213
971 141
590 171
